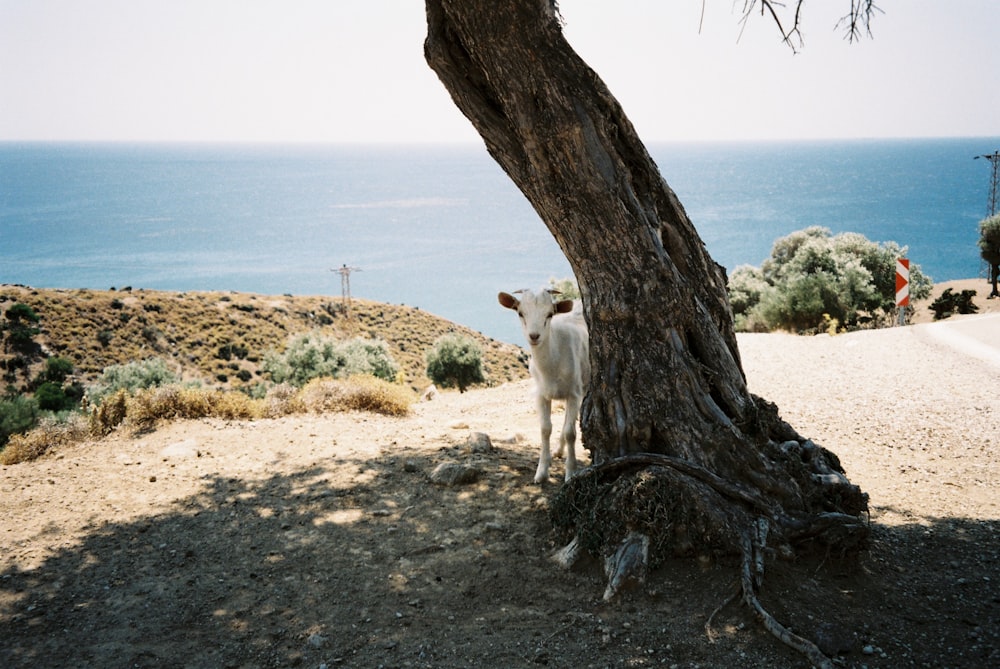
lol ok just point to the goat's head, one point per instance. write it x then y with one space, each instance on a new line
536 309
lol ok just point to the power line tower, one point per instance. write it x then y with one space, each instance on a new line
994 158
345 285
991 205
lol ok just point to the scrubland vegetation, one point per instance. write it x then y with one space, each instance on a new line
815 281
79 363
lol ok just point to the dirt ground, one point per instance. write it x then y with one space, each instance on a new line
320 541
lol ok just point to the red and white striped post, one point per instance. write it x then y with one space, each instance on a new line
902 287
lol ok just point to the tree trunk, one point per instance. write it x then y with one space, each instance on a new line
667 380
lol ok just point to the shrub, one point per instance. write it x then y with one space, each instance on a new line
151 334
146 407
567 288
21 321
311 356
455 360
230 351
20 313
949 303
51 397
357 393
813 277
17 414
281 400
368 356
131 377
50 432
989 245
56 370
109 414
747 288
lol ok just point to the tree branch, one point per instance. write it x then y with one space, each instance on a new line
858 20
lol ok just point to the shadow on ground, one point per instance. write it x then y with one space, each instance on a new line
391 570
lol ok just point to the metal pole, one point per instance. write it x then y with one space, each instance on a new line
994 158
345 285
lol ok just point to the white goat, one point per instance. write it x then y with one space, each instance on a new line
560 365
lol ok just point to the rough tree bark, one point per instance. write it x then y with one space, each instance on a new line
668 409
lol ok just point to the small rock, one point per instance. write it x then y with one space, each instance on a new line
181 449
479 442
316 640
833 639
454 473
411 466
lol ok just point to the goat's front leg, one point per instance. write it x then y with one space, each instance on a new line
568 435
545 458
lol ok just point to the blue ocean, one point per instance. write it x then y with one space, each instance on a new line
441 227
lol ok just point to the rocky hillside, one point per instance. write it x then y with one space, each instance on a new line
221 338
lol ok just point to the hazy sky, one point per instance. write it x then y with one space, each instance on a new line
338 70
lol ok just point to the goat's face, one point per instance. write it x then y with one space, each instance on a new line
535 310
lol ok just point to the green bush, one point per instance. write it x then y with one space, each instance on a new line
313 355
131 377
989 247
56 370
17 415
21 330
51 397
455 360
20 313
949 303
368 356
814 277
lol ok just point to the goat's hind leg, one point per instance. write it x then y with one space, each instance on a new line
568 435
560 445
545 457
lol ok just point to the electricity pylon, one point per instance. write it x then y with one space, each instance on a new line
345 285
991 206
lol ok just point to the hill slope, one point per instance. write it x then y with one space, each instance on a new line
221 338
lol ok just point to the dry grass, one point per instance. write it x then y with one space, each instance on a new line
49 435
358 393
146 408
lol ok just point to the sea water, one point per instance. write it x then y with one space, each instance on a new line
441 228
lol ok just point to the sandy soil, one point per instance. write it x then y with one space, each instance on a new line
320 541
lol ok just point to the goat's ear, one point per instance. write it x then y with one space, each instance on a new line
564 306
507 300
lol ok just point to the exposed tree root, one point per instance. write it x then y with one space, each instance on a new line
627 565
729 600
751 575
638 510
